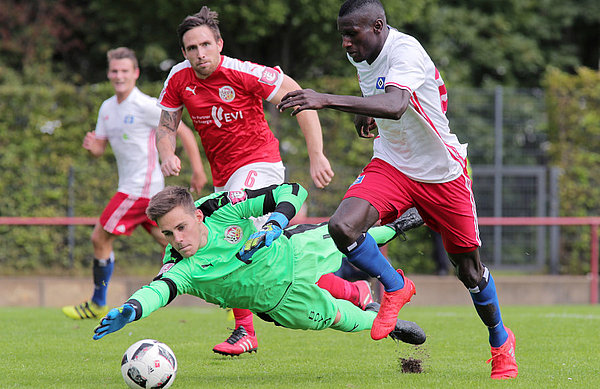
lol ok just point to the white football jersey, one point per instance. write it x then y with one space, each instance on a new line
420 144
130 128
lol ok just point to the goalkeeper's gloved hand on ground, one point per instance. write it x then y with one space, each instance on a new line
270 231
114 320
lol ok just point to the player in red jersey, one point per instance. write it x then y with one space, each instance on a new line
224 97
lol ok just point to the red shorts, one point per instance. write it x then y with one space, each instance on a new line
448 208
124 213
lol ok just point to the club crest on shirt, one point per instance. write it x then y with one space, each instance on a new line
236 196
380 83
233 234
358 180
226 93
269 76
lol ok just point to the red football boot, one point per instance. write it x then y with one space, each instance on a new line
238 343
504 363
391 303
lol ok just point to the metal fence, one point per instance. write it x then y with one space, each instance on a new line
506 132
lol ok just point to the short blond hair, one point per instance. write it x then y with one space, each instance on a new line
122 53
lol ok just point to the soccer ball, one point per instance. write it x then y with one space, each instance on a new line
149 363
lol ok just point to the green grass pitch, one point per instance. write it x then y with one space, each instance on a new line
557 347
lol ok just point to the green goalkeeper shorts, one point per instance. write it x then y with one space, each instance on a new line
305 305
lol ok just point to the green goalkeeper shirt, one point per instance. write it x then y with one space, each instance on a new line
214 273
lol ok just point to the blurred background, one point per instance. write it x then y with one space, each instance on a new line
523 86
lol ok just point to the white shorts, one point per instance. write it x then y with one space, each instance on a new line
255 176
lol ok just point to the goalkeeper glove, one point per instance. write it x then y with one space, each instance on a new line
114 320
270 231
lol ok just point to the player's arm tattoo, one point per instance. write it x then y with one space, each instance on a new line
167 127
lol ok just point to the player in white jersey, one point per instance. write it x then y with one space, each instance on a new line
416 162
128 121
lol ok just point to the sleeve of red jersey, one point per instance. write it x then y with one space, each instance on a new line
263 81
170 97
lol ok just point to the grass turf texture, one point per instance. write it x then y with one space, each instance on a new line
557 347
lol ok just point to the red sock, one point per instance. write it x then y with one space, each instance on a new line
339 287
243 317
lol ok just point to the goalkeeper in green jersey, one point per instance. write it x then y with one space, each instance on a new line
216 254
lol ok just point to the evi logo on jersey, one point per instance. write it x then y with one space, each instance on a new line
220 117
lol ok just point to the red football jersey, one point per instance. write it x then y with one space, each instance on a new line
227 111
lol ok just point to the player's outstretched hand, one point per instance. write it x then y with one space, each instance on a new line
263 237
114 320
270 231
300 100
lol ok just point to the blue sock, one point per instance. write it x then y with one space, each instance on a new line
103 269
486 303
365 255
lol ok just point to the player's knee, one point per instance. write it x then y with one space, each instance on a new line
342 232
469 268
469 278
469 273
96 239
101 240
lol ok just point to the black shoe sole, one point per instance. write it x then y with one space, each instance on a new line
252 350
408 332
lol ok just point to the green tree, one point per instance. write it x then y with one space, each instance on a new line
574 107
40 38
509 42
473 42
